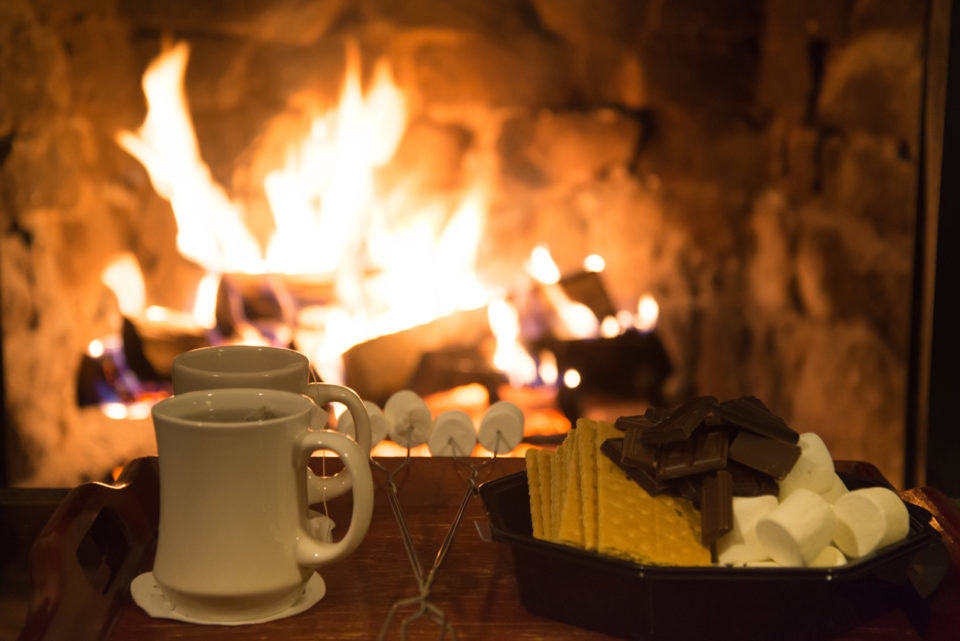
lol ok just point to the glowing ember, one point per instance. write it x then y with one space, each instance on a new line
571 378
594 263
648 312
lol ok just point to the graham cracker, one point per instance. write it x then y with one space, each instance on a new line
532 459
570 528
588 449
556 494
545 467
631 524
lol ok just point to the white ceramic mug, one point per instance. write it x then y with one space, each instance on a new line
234 543
273 368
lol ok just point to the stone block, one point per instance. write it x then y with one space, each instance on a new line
874 84
289 21
490 17
570 147
868 15
875 183
471 70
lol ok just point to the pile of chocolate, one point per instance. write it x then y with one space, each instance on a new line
708 452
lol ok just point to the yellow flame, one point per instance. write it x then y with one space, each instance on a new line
210 228
125 280
322 198
548 370
510 356
542 267
390 272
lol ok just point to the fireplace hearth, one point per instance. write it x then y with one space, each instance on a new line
751 166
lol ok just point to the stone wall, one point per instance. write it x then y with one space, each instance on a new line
751 164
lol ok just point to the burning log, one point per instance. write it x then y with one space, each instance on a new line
587 288
383 365
150 347
262 301
441 370
633 365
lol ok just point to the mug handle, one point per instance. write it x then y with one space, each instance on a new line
329 487
312 552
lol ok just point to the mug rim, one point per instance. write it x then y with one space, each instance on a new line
191 361
173 408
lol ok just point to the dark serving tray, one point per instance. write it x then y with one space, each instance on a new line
647 602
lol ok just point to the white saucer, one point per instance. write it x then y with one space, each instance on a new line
148 594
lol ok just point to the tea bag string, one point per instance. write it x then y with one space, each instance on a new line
314 377
424 584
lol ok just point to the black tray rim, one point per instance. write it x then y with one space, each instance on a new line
921 535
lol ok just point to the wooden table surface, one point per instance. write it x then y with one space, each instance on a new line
476 586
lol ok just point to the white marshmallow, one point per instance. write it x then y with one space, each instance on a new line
869 519
740 546
378 423
798 529
830 557
732 552
409 418
766 563
747 510
814 469
501 429
453 434
837 489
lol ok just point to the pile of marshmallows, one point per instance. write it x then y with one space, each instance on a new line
407 421
816 521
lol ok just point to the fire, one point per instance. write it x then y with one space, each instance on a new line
577 319
328 217
331 224
210 228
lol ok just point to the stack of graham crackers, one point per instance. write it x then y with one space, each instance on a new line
579 497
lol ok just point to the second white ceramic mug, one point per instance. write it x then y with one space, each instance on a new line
263 367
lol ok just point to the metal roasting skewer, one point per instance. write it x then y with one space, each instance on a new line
422 598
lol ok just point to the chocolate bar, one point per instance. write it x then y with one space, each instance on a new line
704 452
750 482
639 421
635 453
768 455
681 422
613 449
751 414
716 506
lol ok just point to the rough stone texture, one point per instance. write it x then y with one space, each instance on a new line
750 164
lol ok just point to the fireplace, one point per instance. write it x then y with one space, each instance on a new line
749 166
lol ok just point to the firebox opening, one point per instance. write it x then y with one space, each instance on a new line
587 209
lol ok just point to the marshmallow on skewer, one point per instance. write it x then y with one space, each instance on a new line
798 529
869 519
501 428
813 470
453 434
409 418
378 423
